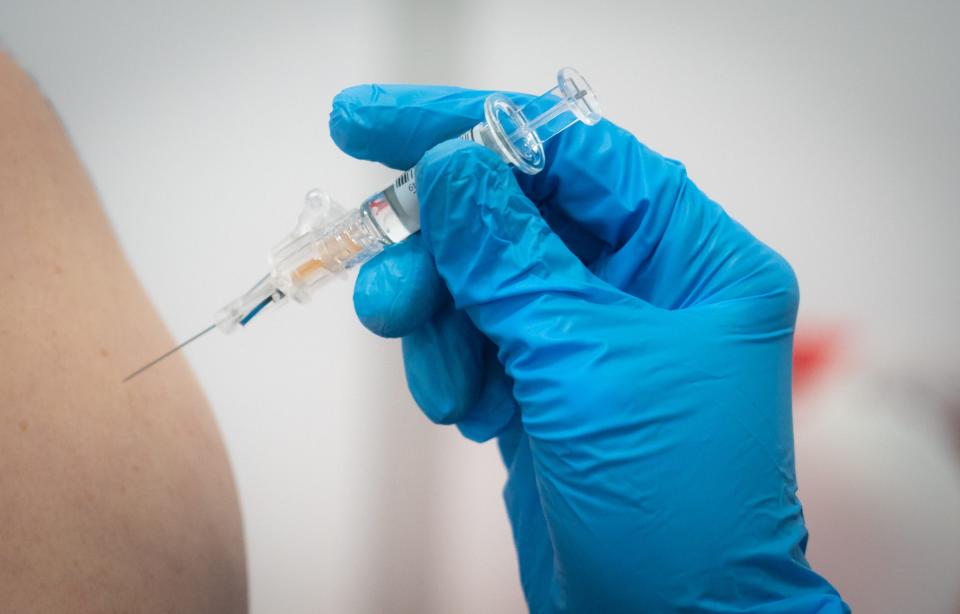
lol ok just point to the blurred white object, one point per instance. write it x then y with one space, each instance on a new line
879 480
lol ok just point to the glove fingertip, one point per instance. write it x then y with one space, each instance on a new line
350 130
398 291
443 364
395 124
495 410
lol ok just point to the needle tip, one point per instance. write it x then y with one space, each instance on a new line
169 353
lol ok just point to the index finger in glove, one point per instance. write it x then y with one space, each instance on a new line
601 177
396 124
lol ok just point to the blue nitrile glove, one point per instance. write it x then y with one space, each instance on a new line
628 343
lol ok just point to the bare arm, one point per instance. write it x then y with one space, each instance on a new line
112 497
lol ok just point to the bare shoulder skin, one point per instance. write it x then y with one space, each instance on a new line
113 497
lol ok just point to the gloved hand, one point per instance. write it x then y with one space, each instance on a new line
627 342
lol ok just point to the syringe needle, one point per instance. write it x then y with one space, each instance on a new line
173 351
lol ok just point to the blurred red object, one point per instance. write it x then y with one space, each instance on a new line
815 353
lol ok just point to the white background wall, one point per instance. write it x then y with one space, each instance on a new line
829 129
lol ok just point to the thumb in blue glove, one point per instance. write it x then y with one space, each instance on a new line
627 342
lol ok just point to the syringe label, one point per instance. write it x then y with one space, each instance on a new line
402 195
406 177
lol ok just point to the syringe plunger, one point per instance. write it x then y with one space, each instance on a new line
562 106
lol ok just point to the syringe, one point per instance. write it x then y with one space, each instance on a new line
328 241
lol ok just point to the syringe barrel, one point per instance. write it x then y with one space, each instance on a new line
395 210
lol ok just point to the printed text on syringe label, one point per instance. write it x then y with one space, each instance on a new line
405 191
403 218
405 207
